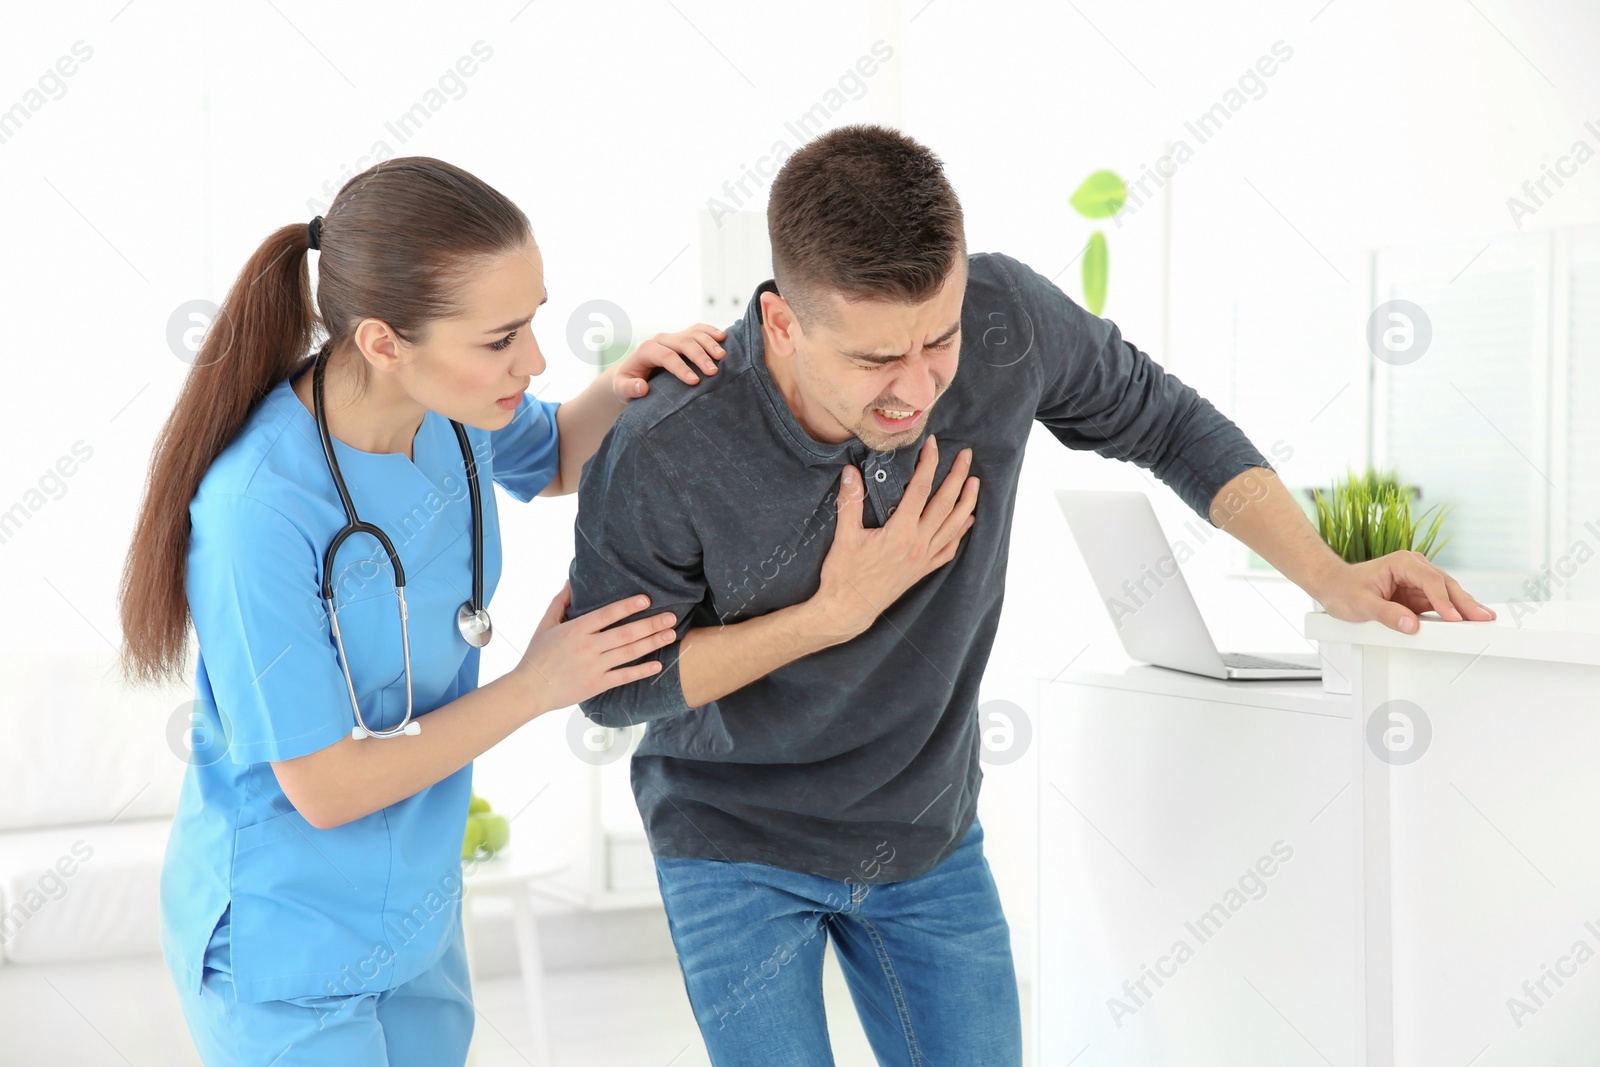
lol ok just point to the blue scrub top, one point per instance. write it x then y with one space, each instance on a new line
371 904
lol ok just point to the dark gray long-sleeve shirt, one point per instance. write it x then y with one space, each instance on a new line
859 762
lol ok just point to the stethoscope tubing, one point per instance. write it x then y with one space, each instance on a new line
472 618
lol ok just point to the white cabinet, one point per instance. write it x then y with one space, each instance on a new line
1267 875
1199 886
1481 875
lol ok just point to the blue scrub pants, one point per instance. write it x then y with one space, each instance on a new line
928 961
427 1022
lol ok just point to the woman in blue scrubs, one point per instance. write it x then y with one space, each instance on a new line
311 893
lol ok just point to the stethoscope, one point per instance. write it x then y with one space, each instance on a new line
472 619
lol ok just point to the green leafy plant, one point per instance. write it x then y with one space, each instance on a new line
1368 515
1101 196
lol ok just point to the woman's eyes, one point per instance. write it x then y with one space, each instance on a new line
500 345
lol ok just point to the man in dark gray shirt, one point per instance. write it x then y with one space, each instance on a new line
828 517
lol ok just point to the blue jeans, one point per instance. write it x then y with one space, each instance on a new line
928 961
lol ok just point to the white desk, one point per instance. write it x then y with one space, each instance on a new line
1481 857
1159 792
1441 906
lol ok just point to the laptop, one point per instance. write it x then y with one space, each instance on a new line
1142 587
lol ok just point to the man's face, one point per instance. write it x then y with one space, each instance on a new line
867 368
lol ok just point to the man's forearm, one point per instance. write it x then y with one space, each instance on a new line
1258 509
716 660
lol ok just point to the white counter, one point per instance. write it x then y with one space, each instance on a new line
1159 793
1442 903
1562 631
1480 774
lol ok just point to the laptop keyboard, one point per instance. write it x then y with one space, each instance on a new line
1239 659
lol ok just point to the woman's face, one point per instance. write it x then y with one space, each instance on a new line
474 367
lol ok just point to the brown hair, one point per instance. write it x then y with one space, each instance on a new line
865 211
398 243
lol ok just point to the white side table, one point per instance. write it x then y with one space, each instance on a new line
516 875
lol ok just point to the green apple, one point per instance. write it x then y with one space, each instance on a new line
496 831
474 836
476 805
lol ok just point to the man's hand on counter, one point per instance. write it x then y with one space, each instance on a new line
1255 507
1393 589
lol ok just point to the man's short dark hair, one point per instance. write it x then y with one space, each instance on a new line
864 211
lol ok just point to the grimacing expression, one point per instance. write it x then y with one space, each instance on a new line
875 368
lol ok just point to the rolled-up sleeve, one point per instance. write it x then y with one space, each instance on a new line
1099 392
635 534
258 614
526 451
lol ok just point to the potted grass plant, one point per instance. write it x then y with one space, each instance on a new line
1362 517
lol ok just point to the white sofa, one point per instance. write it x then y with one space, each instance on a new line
89 778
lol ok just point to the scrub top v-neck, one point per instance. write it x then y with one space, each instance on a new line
368 905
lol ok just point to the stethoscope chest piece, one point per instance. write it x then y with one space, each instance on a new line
474 624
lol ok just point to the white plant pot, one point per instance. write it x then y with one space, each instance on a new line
1338 663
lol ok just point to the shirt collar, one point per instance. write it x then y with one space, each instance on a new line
778 409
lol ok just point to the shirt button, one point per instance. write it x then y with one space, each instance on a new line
880 474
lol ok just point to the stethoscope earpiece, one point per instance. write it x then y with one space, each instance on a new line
471 619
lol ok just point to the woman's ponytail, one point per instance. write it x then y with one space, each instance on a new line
260 332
